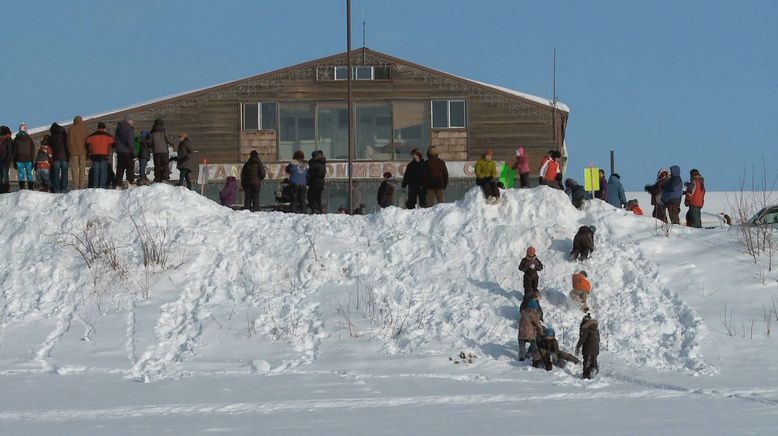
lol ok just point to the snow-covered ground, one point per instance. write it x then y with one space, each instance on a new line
269 323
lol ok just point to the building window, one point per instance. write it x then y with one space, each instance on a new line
297 129
411 127
332 119
259 116
373 131
448 114
329 72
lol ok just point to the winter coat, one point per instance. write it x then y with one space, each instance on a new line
583 240
524 266
99 143
414 175
521 162
317 171
124 139
159 139
576 192
581 283
616 196
695 192
549 346
485 168
549 170
298 173
252 173
602 193
23 148
144 152
435 173
672 191
77 137
6 152
589 338
529 326
386 194
184 156
229 194
58 141
43 158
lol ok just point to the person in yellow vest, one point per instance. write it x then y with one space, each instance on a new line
486 177
581 289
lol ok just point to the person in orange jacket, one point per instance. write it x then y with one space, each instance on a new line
634 207
695 198
581 289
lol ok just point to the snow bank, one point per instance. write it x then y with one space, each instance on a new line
269 293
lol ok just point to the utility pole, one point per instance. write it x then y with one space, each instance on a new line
350 114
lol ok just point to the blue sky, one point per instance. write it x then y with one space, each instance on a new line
693 83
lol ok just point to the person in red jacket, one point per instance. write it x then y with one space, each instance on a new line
99 146
550 172
695 198
581 289
521 165
634 207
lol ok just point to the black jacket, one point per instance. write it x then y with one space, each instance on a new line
414 175
58 141
6 153
589 338
317 170
530 272
584 239
251 174
23 148
386 194
184 156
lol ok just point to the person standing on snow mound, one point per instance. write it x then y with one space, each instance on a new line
413 181
695 198
529 327
589 340
581 289
251 176
672 191
530 265
550 171
317 170
583 243
435 177
616 196
656 194
521 165
602 193
486 177
6 158
385 197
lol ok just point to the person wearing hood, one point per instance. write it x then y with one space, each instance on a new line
124 143
602 193
6 158
23 152
695 198
386 191
58 141
486 177
144 156
185 161
317 171
656 194
521 165
576 192
529 327
435 177
413 181
589 340
298 182
229 194
251 176
77 134
583 243
672 192
159 146
616 196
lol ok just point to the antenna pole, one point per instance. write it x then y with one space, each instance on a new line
350 114
556 138
364 35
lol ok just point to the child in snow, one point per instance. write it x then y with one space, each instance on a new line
581 289
229 194
583 243
634 207
530 265
529 326
589 340
486 177
550 353
43 166
386 191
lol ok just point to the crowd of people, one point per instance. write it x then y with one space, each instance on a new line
85 158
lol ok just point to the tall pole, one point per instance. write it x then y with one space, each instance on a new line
350 114
556 140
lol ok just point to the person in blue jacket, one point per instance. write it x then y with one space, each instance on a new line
672 192
298 181
616 196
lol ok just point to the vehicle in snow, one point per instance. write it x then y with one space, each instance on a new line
768 215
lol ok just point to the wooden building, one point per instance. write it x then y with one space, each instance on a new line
398 106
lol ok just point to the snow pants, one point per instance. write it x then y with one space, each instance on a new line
489 187
694 217
59 177
523 352
416 193
524 180
125 165
297 202
24 170
43 180
314 200
674 212
251 193
590 365
161 167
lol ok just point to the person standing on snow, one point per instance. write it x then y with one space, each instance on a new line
521 165
529 327
435 177
550 172
413 181
589 340
298 181
6 158
616 196
144 156
58 141
43 166
185 161
695 198
24 155
602 193
317 171
251 176
99 145
159 145
656 194
530 265
386 191
124 145
672 191
486 177
77 134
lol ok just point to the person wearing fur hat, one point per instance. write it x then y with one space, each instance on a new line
6 158
695 198
435 177
530 265
529 326
24 156
583 243
521 165
486 177
656 194
251 176
589 341
386 191
413 181
317 171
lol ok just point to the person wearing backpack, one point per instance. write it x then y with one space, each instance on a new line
251 176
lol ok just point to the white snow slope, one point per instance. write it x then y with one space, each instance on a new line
292 324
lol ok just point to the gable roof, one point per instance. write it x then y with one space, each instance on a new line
505 92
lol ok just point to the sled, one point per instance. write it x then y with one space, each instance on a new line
507 176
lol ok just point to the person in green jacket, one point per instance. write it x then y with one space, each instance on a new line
486 177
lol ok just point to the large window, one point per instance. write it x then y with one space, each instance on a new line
297 129
411 127
259 116
333 129
448 114
373 131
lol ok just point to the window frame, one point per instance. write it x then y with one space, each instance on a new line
259 115
354 68
448 113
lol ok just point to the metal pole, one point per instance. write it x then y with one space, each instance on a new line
350 114
613 162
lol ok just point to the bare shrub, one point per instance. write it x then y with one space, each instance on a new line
767 318
155 242
94 243
728 322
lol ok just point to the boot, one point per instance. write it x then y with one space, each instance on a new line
22 185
